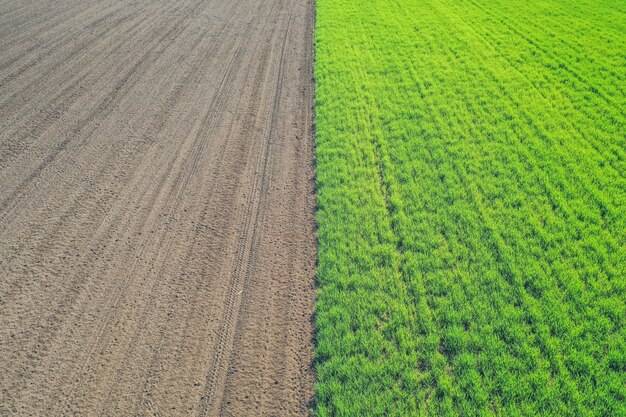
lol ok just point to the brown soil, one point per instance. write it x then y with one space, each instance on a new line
157 249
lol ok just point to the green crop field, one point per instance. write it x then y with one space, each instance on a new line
471 162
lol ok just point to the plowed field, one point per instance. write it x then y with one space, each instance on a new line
157 245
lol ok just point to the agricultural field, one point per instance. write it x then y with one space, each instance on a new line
471 172
157 224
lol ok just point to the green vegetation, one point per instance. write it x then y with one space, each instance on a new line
471 159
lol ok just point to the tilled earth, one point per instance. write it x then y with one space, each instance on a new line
157 242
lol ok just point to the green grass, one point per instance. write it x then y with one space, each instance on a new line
471 162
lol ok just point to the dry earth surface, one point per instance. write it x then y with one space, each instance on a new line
157 249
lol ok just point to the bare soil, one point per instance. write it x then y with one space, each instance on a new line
157 242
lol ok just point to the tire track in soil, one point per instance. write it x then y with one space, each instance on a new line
242 267
157 247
